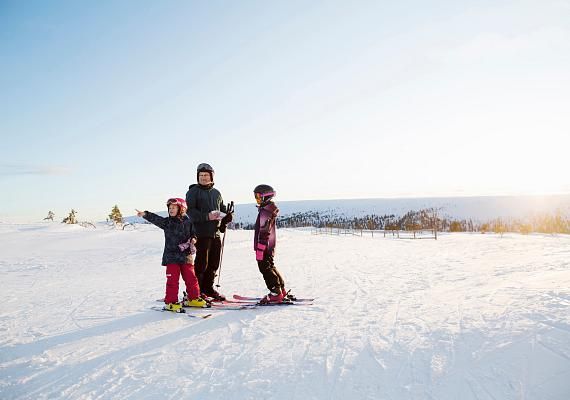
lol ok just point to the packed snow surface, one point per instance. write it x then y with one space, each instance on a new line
468 316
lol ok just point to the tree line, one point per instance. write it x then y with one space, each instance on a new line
424 220
420 220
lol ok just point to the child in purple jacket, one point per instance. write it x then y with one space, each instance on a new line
264 244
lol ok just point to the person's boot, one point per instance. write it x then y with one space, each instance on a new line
214 295
272 297
287 296
199 302
173 307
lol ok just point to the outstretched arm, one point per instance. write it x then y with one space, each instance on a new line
152 218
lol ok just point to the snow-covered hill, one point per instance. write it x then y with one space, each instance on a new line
476 208
468 316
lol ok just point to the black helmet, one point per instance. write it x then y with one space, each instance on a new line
204 167
263 194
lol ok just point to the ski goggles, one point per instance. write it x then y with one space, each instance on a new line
177 201
260 196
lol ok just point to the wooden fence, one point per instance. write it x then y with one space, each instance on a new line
399 234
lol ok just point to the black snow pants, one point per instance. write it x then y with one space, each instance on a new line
207 262
273 279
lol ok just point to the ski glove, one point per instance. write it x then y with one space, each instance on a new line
228 218
184 246
259 251
188 245
225 221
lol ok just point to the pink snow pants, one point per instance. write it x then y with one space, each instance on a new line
173 272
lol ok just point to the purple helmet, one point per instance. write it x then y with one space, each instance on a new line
263 194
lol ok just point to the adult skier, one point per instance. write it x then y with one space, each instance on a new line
205 208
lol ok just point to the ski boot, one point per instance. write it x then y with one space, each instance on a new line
197 302
272 297
173 307
213 295
287 296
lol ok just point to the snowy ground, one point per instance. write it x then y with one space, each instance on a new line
468 316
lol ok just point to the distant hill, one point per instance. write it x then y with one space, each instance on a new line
477 208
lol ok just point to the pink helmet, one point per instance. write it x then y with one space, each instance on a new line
181 203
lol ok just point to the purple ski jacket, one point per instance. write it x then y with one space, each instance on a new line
265 237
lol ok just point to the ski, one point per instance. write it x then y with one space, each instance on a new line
183 311
257 299
285 303
227 302
250 304
216 303
233 306
231 301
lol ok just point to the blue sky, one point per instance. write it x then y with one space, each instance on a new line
107 102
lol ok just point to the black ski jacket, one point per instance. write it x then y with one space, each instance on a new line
176 231
201 200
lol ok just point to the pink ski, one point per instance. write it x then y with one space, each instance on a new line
256 299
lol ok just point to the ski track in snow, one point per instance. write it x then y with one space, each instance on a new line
468 316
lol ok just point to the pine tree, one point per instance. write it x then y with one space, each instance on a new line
50 216
116 215
70 219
